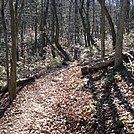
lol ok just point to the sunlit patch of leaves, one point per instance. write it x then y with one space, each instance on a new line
2 69
117 77
122 119
2 83
55 61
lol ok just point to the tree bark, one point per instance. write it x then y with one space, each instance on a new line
97 66
56 38
128 18
103 29
35 29
93 16
127 57
110 24
86 25
44 13
120 30
12 85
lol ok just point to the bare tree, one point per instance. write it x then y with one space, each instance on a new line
120 30
111 24
103 29
56 38
12 85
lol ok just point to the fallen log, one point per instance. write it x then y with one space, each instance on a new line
97 66
106 62
25 81
20 83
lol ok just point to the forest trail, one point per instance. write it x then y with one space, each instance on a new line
62 102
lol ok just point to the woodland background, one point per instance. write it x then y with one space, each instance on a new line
55 43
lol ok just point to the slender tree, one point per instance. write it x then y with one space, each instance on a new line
43 23
128 18
85 22
120 30
56 38
103 29
12 86
111 24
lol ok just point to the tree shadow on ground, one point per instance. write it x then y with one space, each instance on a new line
4 106
105 89
5 101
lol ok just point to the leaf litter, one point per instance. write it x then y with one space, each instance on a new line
64 102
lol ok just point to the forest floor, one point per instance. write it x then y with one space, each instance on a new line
64 102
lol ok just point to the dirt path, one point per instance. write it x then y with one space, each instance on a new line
62 102
35 106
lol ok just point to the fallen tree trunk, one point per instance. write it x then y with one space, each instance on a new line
126 57
20 83
97 66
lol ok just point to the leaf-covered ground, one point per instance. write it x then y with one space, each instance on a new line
62 102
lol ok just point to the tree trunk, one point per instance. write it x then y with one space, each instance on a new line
16 21
35 30
103 29
120 30
22 39
128 18
93 21
52 32
56 38
44 13
12 86
110 24
86 24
